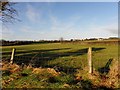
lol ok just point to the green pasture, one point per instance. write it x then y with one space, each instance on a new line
65 55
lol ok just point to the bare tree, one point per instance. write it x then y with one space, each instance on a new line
7 12
61 39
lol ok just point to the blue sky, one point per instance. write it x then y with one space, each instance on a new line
70 20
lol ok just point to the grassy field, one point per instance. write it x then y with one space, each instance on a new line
67 57
71 55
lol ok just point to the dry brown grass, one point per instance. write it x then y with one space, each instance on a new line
48 70
109 81
114 74
6 66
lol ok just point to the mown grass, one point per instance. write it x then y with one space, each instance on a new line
72 55
66 58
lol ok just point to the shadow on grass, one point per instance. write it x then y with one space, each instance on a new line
31 51
65 69
97 49
106 68
39 58
88 85
103 88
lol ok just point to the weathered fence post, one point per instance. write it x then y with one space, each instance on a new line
12 56
90 60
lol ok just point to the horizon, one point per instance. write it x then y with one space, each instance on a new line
70 20
64 39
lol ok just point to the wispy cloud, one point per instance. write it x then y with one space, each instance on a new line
61 25
54 26
7 33
112 26
113 29
29 33
69 30
32 13
26 29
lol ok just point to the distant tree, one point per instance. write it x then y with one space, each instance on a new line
113 38
61 39
7 12
71 40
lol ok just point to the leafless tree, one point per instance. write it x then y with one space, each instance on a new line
7 12
61 39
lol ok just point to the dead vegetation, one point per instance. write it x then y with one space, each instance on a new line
98 80
82 78
42 70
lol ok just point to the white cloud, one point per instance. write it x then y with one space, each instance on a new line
26 29
54 22
27 33
71 28
113 29
67 29
32 13
8 33
61 25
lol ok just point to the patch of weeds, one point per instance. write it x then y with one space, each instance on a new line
44 76
86 84
68 78
54 86
9 80
6 73
26 72
23 82
53 79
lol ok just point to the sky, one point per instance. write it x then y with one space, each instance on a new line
70 20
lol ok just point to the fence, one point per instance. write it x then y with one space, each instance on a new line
44 61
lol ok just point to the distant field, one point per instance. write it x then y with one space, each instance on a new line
65 55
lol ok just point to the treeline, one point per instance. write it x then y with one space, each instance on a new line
105 42
11 43
85 41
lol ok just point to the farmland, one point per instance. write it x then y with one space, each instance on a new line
65 54
69 57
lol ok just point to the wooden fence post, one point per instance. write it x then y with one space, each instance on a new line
12 56
90 60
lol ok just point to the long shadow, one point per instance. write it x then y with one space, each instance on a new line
97 49
32 51
106 68
38 58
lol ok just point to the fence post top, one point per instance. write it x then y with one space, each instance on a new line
90 47
14 49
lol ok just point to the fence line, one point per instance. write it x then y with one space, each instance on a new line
39 60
